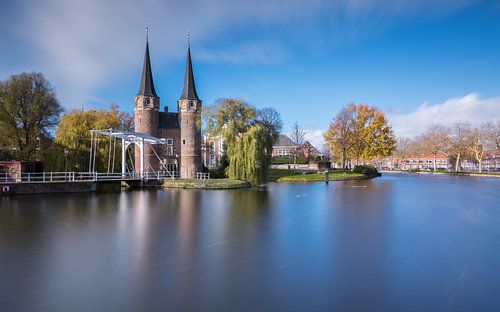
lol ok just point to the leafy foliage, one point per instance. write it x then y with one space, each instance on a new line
248 137
366 170
289 160
29 111
73 134
360 132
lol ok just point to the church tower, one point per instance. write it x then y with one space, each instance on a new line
189 106
146 114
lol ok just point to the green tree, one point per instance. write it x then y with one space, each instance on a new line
73 134
248 135
29 111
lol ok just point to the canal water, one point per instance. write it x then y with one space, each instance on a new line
396 243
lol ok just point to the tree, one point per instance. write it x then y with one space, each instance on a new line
479 141
29 111
460 138
491 132
271 119
435 140
378 137
248 136
339 135
297 135
73 134
403 149
360 132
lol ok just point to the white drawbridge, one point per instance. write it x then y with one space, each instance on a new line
127 138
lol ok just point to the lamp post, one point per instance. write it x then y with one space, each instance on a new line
66 151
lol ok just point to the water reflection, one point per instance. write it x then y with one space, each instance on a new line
395 243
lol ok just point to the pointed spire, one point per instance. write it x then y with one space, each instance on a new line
189 90
147 86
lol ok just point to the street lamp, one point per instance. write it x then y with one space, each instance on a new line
66 151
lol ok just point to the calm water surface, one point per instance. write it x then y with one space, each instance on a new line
396 243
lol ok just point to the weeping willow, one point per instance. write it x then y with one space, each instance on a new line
250 155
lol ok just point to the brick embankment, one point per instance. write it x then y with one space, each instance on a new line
57 187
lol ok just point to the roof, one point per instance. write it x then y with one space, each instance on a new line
169 120
147 86
284 140
495 153
308 145
189 89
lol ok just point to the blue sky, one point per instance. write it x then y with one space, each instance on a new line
421 61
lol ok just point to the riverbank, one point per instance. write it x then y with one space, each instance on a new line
319 177
467 174
208 184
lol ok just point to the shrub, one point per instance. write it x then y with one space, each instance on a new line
288 160
366 170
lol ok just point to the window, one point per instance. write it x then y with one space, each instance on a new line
170 150
183 141
191 104
170 141
212 160
212 146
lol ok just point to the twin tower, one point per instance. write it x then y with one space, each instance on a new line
181 130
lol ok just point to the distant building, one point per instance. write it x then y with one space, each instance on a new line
491 160
212 149
9 169
309 151
417 162
284 147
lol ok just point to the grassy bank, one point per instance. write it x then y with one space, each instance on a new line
209 184
332 176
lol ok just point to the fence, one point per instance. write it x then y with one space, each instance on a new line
203 175
30 177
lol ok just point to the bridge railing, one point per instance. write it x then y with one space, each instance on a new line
203 175
31 177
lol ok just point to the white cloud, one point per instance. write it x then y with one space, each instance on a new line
468 108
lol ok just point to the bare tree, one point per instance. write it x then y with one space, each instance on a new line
339 135
271 119
481 139
403 149
460 138
491 131
297 135
436 140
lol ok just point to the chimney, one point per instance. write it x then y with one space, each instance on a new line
165 109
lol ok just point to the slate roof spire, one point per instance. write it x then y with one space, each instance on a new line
189 90
147 86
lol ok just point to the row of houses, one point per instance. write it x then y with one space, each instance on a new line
441 161
213 149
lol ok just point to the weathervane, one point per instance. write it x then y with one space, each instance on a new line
147 31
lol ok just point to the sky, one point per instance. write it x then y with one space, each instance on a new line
420 61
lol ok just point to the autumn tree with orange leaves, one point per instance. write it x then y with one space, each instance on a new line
360 132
